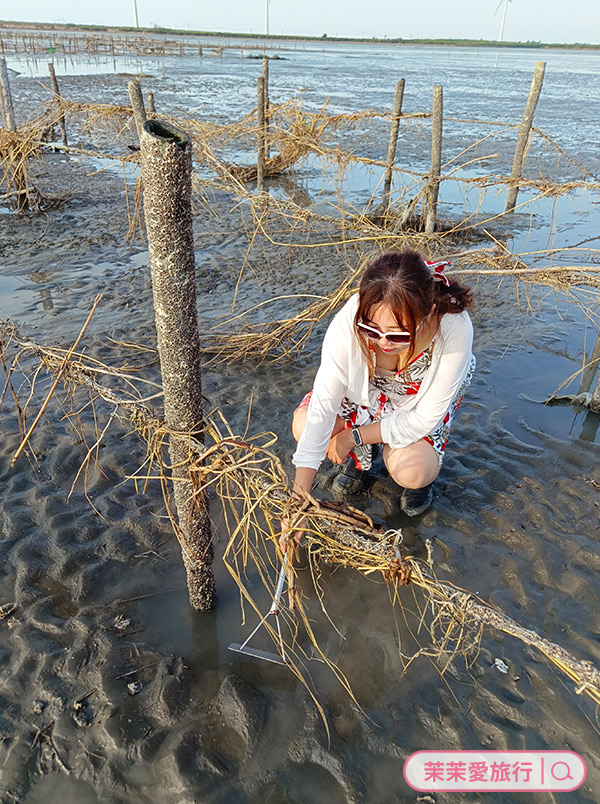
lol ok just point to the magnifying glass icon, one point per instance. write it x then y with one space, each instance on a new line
561 778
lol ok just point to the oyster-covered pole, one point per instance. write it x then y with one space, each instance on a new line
167 187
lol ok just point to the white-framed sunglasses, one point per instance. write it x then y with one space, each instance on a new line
375 335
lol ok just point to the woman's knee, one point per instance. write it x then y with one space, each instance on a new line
412 467
415 477
299 421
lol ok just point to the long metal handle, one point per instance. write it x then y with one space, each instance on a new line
279 588
274 605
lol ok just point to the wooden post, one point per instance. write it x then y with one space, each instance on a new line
433 185
150 103
8 111
260 135
265 75
167 187
56 90
590 369
524 131
15 173
595 400
391 154
588 376
137 104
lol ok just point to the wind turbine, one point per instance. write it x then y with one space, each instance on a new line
135 16
266 17
506 2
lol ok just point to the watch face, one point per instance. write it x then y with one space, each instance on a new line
356 437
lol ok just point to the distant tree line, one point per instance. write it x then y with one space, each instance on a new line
237 35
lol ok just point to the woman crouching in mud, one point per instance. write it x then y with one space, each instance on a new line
394 365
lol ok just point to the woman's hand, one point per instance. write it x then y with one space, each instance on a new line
297 533
339 446
302 484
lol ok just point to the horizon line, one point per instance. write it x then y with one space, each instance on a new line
304 37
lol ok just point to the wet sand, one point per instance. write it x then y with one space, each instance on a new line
515 519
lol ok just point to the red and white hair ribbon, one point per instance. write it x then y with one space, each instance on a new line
437 269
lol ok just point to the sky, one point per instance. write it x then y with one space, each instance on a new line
565 21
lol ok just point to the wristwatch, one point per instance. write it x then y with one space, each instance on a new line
356 437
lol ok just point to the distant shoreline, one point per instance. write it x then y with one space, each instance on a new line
71 27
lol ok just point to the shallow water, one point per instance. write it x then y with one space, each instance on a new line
515 517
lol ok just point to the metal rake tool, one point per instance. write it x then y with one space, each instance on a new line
274 610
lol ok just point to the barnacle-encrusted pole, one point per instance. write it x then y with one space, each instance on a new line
391 154
167 185
137 104
150 104
524 131
15 173
8 111
57 95
265 75
260 135
433 185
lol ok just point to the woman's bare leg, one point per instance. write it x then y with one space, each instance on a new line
299 421
412 467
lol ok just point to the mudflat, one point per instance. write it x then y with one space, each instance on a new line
114 690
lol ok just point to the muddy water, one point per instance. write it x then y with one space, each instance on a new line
515 519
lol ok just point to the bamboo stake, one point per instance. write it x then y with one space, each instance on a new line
260 135
265 75
137 104
433 186
56 90
524 131
167 186
391 154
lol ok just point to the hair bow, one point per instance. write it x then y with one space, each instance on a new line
437 269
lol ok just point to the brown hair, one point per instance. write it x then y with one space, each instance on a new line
404 282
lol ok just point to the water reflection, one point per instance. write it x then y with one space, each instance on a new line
47 303
589 428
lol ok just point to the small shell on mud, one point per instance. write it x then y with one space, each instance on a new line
500 665
121 622
7 609
134 687
38 707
